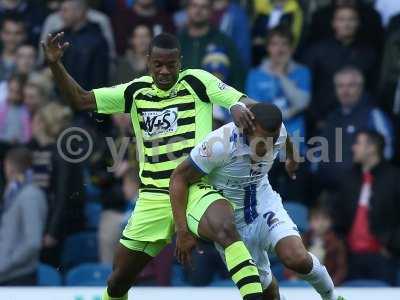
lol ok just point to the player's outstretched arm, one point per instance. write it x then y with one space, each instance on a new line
181 178
79 98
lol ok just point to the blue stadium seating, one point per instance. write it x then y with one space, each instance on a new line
299 213
79 248
294 283
48 276
92 214
365 283
177 276
219 282
88 275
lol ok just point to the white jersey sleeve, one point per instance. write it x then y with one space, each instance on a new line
212 152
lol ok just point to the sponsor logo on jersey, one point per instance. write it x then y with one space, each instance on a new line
160 122
204 150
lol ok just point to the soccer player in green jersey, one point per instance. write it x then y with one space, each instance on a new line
171 111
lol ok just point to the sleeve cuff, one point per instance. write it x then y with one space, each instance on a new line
196 166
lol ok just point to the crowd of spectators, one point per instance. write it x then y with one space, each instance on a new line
331 66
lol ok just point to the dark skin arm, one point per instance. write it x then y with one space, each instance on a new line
292 158
184 175
74 94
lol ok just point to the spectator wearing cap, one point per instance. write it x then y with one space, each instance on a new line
200 39
366 211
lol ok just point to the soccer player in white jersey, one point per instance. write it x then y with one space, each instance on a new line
237 164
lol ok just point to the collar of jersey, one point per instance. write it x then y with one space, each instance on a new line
165 93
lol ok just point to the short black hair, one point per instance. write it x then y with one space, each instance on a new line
281 31
165 41
374 138
20 158
269 116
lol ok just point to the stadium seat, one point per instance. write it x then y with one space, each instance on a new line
299 213
294 283
92 214
48 276
79 248
88 275
365 283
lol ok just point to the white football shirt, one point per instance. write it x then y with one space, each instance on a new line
225 157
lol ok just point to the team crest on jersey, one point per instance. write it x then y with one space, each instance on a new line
204 150
160 122
223 86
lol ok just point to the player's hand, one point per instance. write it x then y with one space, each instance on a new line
291 168
54 47
185 243
243 117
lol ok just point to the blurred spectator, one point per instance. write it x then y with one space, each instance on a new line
269 14
200 39
36 94
54 22
232 20
114 196
326 57
282 81
61 180
134 63
31 12
113 218
88 60
370 29
25 59
142 12
22 221
353 115
12 35
323 242
15 123
25 62
387 9
366 211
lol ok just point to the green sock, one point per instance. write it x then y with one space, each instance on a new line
107 297
243 271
